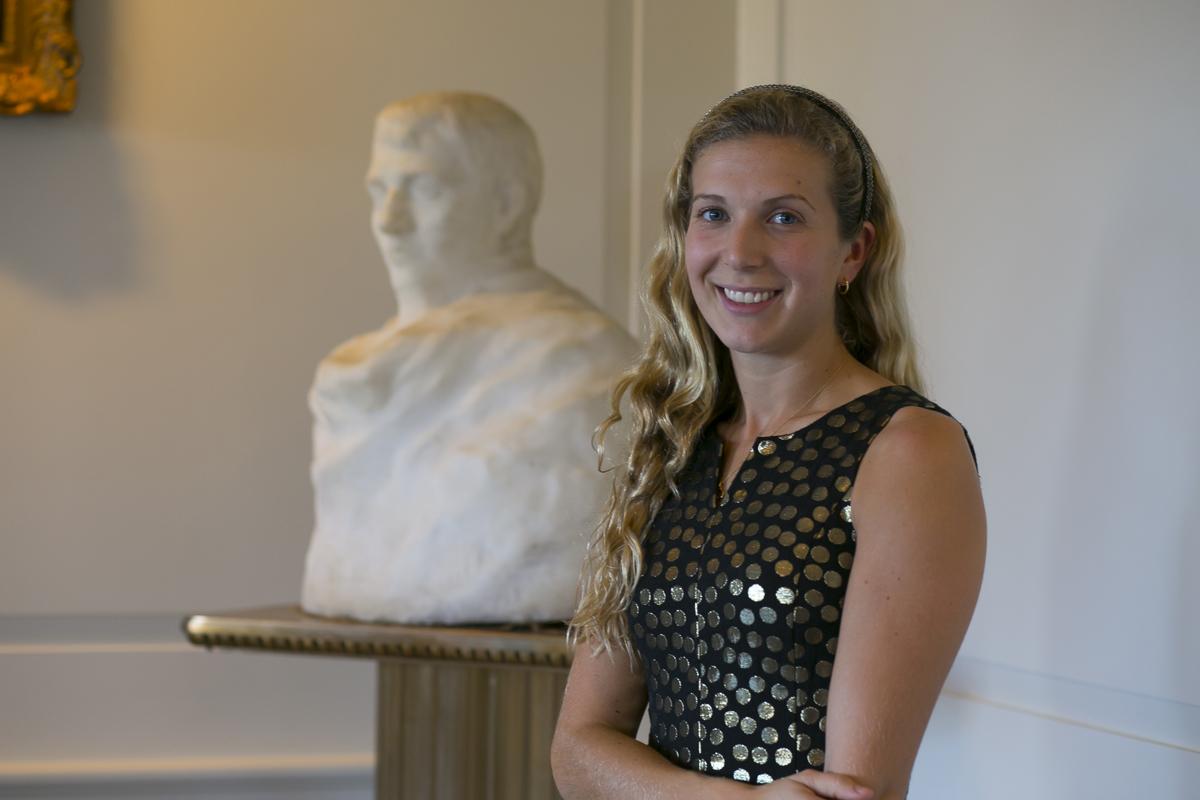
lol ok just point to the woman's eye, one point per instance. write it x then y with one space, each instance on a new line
785 218
711 215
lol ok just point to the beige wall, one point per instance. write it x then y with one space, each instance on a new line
175 257
179 253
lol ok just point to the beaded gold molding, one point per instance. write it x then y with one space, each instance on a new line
287 629
39 56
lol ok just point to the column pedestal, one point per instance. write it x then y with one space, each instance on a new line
461 713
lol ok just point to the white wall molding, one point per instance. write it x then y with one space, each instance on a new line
82 634
340 765
671 87
620 47
334 776
636 198
1000 732
1151 720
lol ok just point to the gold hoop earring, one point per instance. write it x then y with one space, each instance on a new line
843 286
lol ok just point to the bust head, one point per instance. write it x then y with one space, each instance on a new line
455 179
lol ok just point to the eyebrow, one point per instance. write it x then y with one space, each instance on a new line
770 201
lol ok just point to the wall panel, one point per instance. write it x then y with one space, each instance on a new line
1042 161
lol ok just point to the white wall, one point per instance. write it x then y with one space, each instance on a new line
175 257
1043 156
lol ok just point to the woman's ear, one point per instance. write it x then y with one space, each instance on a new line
860 248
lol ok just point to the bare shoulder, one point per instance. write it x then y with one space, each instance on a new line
919 473
919 438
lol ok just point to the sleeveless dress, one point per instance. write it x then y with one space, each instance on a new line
737 611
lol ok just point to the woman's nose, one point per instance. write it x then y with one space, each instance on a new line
744 248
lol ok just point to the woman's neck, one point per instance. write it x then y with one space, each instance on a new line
776 393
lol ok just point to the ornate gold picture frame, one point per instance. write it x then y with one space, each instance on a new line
39 56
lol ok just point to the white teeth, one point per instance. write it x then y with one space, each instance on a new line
747 297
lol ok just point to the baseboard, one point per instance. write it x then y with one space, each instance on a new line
333 777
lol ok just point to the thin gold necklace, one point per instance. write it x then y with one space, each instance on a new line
723 484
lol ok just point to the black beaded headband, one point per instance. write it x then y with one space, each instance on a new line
860 141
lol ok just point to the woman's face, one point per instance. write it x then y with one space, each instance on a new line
762 250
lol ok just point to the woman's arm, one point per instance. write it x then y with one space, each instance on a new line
921 540
594 754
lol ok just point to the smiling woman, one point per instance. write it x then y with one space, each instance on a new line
751 210
39 57
780 634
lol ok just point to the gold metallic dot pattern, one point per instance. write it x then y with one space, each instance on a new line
737 611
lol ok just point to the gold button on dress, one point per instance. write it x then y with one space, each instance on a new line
737 610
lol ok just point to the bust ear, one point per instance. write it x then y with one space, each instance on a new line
512 203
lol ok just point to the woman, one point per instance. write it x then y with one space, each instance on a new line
778 383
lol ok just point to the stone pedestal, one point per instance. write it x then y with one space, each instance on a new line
461 712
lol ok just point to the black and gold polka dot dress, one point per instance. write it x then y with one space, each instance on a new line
736 614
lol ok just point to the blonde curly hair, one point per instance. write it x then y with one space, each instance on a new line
683 380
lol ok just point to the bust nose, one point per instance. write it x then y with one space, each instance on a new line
393 213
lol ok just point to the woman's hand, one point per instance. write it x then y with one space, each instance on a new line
813 784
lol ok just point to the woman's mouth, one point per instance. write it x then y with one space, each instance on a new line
746 299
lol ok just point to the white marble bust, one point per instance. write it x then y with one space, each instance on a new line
452 464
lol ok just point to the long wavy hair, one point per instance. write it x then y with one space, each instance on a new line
683 380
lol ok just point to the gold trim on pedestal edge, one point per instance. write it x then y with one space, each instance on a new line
287 629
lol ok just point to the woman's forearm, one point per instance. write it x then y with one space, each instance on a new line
599 762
